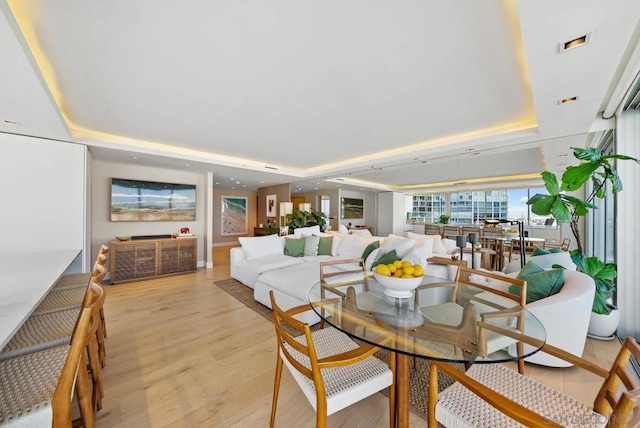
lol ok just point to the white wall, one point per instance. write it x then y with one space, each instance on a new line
42 189
103 230
391 213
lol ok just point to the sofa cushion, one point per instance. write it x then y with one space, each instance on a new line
353 245
398 243
296 281
419 254
302 231
259 246
294 247
372 258
541 283
311 245
324 245
271 262
438 248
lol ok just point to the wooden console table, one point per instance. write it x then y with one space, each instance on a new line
132 260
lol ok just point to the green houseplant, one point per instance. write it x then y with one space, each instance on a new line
597 168
306 219
444 219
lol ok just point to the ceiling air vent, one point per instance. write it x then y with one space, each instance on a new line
574 43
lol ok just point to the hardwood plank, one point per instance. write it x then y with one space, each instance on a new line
183 353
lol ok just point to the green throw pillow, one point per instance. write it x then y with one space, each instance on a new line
369 249
324 247
540 283
389 257
541 251
294 247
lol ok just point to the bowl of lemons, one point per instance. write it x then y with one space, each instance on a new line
399 279
511 233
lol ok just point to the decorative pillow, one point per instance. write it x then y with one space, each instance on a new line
259 246
540 283
372 258
294 247
306 231
361 232
324 245
311 245
353 245
387 258
545 261
335 244
343 229
419 254
540 251
369 248
438 248
400 244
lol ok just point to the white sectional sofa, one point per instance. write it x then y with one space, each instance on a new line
260 263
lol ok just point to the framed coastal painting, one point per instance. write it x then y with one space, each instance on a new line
271 206
352 208
136 200
234 215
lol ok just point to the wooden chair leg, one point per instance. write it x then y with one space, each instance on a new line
83 392
276 390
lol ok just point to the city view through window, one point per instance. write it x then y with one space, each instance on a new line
475 206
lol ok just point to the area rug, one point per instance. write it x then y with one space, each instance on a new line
419 374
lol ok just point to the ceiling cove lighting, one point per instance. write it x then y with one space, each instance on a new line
574 43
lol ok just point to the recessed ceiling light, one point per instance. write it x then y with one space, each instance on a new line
562 164
10 122
563 155
471 149
187 165
476 153
574 43
237 182
135 157
568 100
232 179
424 161
217 182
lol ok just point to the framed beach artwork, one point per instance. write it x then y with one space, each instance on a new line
136 200
234 215
271 206
352 208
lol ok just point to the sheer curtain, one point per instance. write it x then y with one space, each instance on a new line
627 227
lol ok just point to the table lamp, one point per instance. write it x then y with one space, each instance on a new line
306 206
286 208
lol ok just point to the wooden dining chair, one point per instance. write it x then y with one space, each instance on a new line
75 280
332 370
450 231
566 244
495 395
336 275
473 286
37 389
432 229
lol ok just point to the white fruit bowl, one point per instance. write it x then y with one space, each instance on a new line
397 287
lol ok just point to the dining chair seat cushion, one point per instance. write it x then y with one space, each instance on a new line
27 384
64 299
459 407
344 385
72 280
41 332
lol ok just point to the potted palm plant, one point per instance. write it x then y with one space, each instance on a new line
597 168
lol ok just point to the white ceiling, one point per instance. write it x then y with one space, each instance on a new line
402 95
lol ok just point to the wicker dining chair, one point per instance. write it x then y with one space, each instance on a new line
332 370
37 389
495 395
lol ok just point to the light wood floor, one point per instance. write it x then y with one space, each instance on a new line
182 353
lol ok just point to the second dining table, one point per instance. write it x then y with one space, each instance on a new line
359 307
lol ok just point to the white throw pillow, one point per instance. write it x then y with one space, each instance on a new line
361 232
372 258
400 244
343 229
259 246
311 230
449 245
438 248
311 245
335 243
354 245
419 254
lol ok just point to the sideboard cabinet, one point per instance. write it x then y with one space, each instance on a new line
131 260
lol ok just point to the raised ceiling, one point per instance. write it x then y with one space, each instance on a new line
405 95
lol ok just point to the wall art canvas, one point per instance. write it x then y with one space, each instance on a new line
136 200
352 208
234 215
271 206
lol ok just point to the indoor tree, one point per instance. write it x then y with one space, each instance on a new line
597 168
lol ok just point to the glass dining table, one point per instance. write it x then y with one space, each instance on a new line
443 320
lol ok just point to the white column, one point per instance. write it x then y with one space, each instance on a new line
627 225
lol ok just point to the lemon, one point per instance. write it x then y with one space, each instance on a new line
398 273
383 270
408 270
392 267
418 270
398 263
406 264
